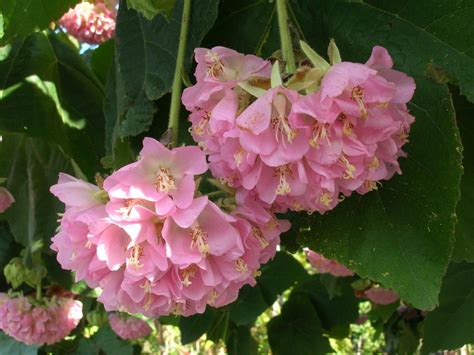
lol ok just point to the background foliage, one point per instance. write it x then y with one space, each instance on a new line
85 110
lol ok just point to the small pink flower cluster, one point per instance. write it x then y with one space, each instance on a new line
327 266
294 151
89 22
380 295
151 246
6 199
128 327
37 325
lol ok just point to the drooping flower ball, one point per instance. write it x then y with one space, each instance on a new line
90 22
128 327
32 324
6 199
151 245
294 151
327 266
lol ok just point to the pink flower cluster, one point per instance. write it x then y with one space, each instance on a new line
151 245
6 199
128 327
327 266
380 295
37 325
294 151
90 22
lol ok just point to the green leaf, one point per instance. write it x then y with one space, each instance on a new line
192 328
8 247
464 245
47 91
402 234
297 330
451 325
151 8
436 29
32 167
279 274
248 26
102 58
10 346
105 341
22 17
241 342
146 58
334 312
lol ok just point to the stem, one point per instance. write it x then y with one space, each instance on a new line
173 122
285 38
38 290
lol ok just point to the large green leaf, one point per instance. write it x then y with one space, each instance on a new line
47 91
248 26
436 26
281 273
146 52
151 8
451 325
22 17
10 346
31 166
297 330
192 328
464 245
336 312
241 342
402 234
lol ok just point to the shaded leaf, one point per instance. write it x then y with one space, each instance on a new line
10 346
21 17
241 342
151 8
105 341
193 327
451 325
297 330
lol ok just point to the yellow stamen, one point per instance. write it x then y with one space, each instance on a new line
282 172
256 273
213 295
241 266
350 169
201 126
164 180
319 132
257 233
374 164
148 295
279 119
216 67
188 273
358 96
135 255
199 239
325 199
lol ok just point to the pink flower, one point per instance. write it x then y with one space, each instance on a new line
327 266
6 199
381 295
37 325
128 327
89 22
160 175
151 246
300 152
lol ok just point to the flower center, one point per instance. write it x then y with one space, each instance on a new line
164 180
148 295
129 204
350 169
358 96
201 126
238 157
370 185
135 255
325 199
188 273
374 164
216 67
319 132
241 266
199 238
282 172
213 295
279 120
257 233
